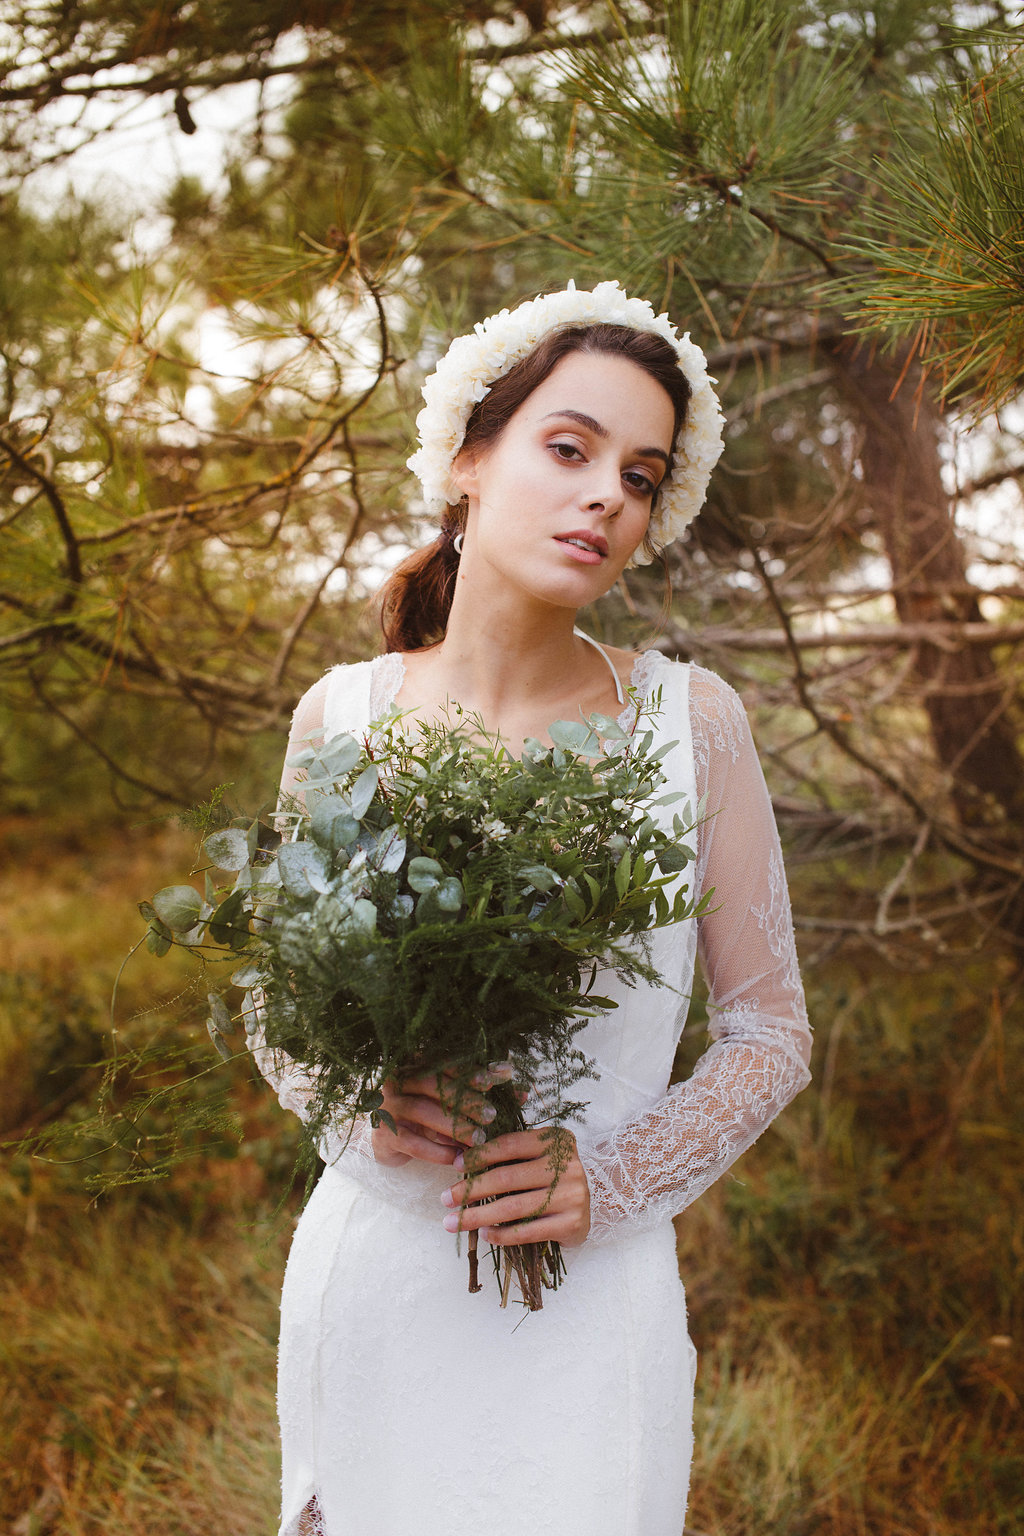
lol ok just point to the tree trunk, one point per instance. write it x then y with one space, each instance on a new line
970 705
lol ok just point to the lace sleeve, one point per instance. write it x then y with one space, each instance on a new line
290 1081
653 1166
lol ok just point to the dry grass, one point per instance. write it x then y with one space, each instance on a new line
855 1290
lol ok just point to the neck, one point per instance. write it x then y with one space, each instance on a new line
507 653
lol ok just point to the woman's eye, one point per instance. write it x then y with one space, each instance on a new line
638 482
567 450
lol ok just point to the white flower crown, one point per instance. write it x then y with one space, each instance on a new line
473 362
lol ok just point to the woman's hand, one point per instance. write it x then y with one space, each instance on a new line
425 1128
528 1199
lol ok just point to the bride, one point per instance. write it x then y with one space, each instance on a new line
559 443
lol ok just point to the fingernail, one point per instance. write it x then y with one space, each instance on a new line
447 1198
451 1223
478 1138
488 1113
500 1068
460 1162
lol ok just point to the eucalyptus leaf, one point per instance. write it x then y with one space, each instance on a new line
389 853
449 894
538 877
223 1049
574 736
340 755
220 1014
607 726
246 976
228 849
156 942
304 867
179 906
364 915
674 857
332 823
424 874
229 925
363 790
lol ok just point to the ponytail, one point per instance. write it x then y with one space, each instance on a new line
417 598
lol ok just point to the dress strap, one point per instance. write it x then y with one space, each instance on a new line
611 665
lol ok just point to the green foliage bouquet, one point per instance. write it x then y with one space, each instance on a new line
428 901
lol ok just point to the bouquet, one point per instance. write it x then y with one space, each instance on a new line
428 901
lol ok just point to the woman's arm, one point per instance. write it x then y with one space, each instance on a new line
657 1163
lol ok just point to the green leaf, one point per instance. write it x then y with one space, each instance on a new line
364 915
363 790
449 894
574 736
538 877
340 755
156 942
673 858
229 925
332 824
247 976
179 906
608 727
228 849
223 1049
388 855
220 1016
623 870
424 874
304 868
574 901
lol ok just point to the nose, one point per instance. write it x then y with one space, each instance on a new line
603 490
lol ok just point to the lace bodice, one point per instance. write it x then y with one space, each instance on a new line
648 1164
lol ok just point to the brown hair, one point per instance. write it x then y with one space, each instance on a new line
417 598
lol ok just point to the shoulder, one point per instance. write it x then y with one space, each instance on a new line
717 715
318 704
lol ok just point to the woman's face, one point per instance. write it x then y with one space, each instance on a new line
559 502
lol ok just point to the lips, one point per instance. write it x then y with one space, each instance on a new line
586 545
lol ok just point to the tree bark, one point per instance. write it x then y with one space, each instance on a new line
969 702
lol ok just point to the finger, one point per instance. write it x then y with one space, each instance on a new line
428 1113
530 1205
487 1077
514 1147
509 1178
548 1229
410 1141
472 1105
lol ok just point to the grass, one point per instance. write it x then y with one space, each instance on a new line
854 1287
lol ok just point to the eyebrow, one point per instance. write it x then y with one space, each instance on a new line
599 431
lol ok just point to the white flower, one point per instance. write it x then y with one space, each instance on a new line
472 363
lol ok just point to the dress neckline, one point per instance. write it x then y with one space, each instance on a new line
388 675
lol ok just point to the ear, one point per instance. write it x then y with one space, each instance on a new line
463 475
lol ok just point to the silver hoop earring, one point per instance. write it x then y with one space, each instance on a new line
457 543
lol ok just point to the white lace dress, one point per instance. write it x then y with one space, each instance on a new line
409 1407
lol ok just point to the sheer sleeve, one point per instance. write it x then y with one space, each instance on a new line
653 1166
290 1081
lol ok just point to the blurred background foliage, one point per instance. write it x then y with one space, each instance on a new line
208 385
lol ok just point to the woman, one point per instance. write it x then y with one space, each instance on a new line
560 443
